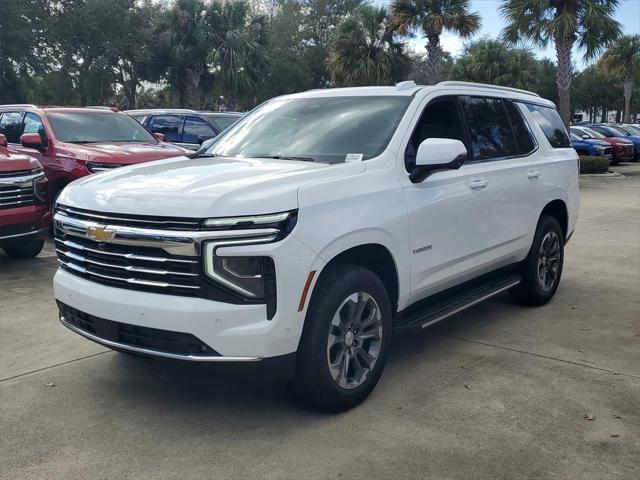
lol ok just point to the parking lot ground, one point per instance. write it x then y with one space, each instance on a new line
498 391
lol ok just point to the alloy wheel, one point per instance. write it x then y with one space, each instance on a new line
549 261
355 338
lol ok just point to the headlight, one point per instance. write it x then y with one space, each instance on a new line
244 275
40 186
283 221
95 167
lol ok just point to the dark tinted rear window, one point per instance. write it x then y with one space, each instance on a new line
11 125
524 139
551 125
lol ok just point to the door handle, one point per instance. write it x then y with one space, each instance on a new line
478 184
533 174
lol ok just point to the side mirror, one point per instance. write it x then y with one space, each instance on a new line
3 140
438 154
31 140
204 138
585 137
159 136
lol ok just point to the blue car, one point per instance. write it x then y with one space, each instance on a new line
591 147
612 131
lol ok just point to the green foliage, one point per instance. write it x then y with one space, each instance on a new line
594 165
432 17
365 51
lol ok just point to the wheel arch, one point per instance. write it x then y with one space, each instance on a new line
375 257
558 210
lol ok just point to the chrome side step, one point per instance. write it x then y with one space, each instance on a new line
442 305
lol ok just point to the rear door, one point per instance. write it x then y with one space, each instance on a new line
171 126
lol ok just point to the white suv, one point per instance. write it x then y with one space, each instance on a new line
317 224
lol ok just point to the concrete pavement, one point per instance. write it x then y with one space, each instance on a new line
499 391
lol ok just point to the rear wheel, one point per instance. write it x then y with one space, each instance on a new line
542 269
345 340
28 249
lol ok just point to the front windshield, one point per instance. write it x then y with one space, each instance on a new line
96 127
222 121
591 133
324 129
624 132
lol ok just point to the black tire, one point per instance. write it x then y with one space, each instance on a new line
313 378
533 290
28 249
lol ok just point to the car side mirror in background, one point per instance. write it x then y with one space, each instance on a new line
585 137
438 154
159 136
31 140
3 140
204 138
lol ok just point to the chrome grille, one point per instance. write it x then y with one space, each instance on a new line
17 188
169 223
129 267
134 252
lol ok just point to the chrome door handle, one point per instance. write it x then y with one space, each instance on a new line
478 184
533 174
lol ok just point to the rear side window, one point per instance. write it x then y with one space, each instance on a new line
551 125
489 128
169 125
11 125
521 131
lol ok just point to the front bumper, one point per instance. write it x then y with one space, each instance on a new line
237 332
23 223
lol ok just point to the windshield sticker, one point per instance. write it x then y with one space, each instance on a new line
353 157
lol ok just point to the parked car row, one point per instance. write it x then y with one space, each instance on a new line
592 139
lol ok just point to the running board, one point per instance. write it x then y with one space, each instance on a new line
442 305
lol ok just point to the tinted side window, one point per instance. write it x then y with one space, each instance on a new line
33 124
524 139
170 125
440 119
194 128
11 125
489 127
551 125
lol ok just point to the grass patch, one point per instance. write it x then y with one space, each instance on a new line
594 165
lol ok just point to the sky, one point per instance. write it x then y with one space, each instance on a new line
628 14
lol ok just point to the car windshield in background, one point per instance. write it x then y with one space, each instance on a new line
317 129
96 127
223 121
591 133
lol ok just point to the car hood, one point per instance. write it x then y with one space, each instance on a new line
201 187
12 162
126 153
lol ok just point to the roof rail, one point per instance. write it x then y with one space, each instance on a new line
451 83
18 105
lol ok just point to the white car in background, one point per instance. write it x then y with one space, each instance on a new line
317 224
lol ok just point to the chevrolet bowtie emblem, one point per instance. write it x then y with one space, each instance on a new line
100 234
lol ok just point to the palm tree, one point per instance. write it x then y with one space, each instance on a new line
433 17
492 61
365 51
237 43
565 22
622 60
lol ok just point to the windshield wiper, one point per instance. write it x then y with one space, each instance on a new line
285 157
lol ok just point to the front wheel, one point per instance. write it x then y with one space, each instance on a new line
27 249
542 269
345 340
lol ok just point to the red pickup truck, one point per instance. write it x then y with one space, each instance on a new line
24 213
73 142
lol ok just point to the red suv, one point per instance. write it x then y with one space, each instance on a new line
24 214
73 142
